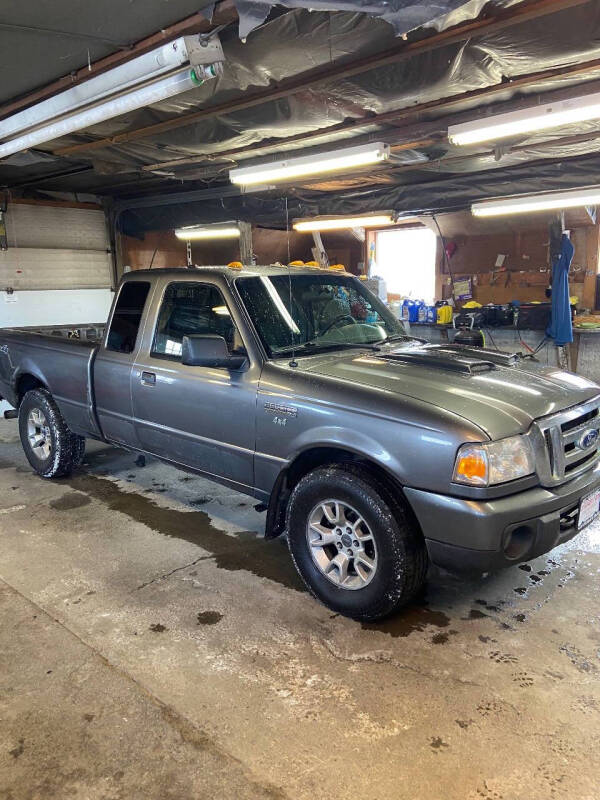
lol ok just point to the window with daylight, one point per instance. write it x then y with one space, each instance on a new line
405 259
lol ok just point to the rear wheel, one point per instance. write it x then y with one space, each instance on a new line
46 440
358 550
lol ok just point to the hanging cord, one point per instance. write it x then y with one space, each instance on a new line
543 343
488 333
446 259
293 362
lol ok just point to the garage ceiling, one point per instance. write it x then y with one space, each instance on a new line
303 81
46 39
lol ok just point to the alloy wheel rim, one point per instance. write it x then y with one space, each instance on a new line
38 434
341 544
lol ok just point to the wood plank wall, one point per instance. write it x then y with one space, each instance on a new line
269 246
526 273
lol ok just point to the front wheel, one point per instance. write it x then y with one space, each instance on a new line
47 442
357 549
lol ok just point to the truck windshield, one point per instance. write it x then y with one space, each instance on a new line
309 312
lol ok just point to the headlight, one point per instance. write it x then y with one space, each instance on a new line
494 462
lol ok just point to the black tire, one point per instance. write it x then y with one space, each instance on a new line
402 562
78 449
59 461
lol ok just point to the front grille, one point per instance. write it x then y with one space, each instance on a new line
575 423
565 444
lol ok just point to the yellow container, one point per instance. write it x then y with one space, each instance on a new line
444 315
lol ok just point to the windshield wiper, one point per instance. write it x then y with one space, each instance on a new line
313 345
400 337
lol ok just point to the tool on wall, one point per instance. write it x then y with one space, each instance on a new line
3 209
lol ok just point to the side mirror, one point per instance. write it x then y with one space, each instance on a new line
206 350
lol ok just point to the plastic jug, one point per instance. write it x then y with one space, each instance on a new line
444 314
413 311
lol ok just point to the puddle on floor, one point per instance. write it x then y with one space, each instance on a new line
242 551
69 501
408 620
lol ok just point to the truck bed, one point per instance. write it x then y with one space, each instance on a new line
61 358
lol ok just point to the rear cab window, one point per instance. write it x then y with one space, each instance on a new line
127 316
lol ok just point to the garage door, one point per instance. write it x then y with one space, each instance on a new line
52 247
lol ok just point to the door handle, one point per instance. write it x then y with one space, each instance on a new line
148 378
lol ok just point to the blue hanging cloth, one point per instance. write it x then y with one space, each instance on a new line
561 328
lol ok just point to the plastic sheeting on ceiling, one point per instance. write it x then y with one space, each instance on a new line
299 41
402 15
449 193
430 176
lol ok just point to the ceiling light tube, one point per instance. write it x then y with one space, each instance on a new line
319 163
191 233
546 201
528 120
341 223
144 68
130 101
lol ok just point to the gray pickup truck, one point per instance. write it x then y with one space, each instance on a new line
375 452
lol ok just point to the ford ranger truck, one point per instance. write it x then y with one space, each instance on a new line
374 452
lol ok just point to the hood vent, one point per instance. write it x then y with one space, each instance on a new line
495 356
466 361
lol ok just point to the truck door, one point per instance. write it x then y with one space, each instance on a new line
199 417
111 380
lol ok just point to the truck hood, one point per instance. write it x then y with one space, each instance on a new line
500 393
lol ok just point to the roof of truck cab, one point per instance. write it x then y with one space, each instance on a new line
249 271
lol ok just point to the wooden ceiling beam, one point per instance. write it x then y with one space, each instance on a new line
392 118
524 12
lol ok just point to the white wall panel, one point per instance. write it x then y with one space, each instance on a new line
37 268
54 307
56 227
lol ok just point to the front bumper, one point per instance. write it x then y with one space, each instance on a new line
473 535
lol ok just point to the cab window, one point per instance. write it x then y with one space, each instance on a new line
127 316
192 308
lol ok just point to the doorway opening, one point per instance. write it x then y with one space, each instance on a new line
405 259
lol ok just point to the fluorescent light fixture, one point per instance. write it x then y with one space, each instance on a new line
529 120
339 223
546 201
333 161
142 69
114 107
191 233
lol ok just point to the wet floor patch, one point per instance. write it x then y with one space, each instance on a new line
69 501
209 617
242 551
158 627
475 613
443 637
409 620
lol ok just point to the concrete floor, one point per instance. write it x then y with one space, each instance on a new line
152 646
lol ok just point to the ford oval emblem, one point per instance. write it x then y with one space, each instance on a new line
588 439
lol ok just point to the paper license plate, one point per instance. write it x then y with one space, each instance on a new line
589 506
